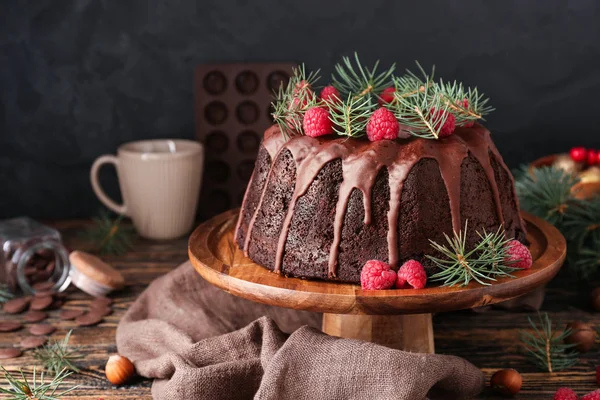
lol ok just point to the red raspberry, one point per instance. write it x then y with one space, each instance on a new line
387 95
595 395
468 124
411 274
377 275
331 94
302 86
578 154
565 394
316 122
518 255
448 128
592 157
382 125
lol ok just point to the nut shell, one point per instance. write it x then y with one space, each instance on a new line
119 369
506 381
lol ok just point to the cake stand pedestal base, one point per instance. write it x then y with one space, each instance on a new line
410 332
400 319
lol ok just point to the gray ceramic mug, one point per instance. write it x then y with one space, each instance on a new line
160 184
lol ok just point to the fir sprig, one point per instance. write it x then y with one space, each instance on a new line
109 236
546 348
358 80
454 95
58 356
5 294
460 265
38 389
350 117
546 192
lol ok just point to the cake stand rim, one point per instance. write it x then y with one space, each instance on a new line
340 298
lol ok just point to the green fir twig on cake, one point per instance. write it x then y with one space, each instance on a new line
351 116
22 388
58 356
545 347
467 104
483 263
5 294
358 80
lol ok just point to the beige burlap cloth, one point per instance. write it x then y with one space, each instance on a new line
199 342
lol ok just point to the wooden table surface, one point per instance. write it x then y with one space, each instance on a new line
489 340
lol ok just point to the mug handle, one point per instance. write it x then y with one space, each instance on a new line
107 201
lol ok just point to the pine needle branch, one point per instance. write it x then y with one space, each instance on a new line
351 116
546 348
37 389
58 356
357 80
459 265
109 236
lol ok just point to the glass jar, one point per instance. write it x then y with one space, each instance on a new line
32 257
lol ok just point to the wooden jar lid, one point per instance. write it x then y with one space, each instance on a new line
92 275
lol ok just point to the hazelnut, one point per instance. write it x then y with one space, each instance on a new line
582 335
596 299
119 369
506 381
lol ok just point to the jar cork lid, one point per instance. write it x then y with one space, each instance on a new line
92 275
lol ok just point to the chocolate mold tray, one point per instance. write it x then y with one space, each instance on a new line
232 111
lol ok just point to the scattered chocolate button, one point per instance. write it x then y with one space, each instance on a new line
105 301
41 303
16 306
104 311
10 326
40 286
10 353
50 267
68 315
89 319
46 254
44 293
41 329
30 271
32 342
35 316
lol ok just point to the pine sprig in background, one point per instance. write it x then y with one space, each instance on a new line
546 348
108 235
21 388
58 356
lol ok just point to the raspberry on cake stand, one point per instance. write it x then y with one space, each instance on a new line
395 318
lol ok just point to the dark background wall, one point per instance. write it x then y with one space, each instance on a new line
80 77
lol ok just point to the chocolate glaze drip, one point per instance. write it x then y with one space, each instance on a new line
361 162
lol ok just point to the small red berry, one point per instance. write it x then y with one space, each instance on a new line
592 157
595 395
578 154
331 94
467 124
518 255
448 128
316 122
301 86
387 95
382 125
565 394
377 275
411 275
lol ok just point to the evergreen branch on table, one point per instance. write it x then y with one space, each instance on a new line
360 81
5 294
546 348
351 116
37 389
58 356
108 235
459 265
546 192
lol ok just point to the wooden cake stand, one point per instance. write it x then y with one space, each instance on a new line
399 319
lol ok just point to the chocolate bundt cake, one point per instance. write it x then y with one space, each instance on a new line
321 207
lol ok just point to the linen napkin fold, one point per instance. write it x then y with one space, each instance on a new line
199 342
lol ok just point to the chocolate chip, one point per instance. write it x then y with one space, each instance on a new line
10 326
16 306
41 303
91 318
32 342
40 286
35 316
41 329
70 314
10 353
